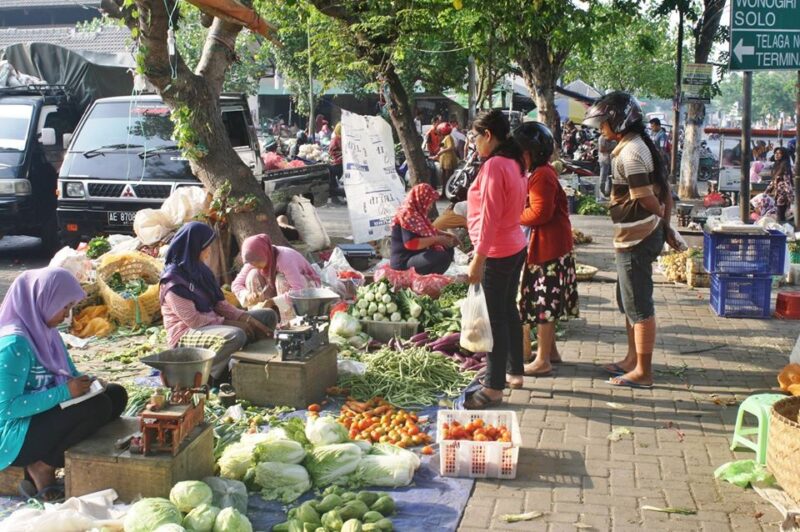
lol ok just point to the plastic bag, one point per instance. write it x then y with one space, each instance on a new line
228 493
430 285
75 261
305 218
744 472
152 225
397 278
331 275
476 330
184 204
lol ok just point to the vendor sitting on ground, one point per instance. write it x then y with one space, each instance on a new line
416 243
37 374
270 271
194 308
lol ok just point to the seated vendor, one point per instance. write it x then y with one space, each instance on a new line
270 271
37 374
194 308
416 243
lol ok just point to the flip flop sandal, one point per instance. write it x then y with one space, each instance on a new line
514 385
52 494
619 381
479 401
27 489
616 372
540 373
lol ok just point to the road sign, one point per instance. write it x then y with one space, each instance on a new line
765 35
696 82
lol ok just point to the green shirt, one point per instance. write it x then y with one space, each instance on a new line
26 389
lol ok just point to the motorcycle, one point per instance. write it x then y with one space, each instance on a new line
458 184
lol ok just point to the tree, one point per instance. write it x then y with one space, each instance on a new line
649 44
193 98
773 93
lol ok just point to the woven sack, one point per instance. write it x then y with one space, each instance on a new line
136 311
783 446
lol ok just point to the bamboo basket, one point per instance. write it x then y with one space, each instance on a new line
141 310
92 297
783 446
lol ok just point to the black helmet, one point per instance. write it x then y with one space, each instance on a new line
537 139
619 109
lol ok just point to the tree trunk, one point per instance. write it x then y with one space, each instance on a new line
216 161
541 69
403 120
690 160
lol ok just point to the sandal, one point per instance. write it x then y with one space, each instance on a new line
479 401
614 369
53 493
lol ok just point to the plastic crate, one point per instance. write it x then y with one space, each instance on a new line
478 459
744 254
741 296
383 331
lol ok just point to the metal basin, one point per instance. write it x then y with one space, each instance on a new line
183 367
684 208
313 302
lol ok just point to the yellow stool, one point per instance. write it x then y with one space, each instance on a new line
759 406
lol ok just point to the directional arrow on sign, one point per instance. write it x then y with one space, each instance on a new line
741 50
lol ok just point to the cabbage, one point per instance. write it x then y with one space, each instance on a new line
325 430
172 527
344 325
282 482
228 493
235 460
283 451
232 520
190 494
148 514
329 464
365 446
201 519
393 450
391 471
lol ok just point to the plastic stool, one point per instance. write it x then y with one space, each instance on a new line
759 406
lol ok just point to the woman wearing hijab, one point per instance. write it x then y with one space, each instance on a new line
270 271
194 308
780 188
763 205
416 243
36 374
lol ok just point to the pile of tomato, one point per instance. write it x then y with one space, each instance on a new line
377 421
476 430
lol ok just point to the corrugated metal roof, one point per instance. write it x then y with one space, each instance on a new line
107 40
24 4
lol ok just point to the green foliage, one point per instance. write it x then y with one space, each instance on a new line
186 136
773 93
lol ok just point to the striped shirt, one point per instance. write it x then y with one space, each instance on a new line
180 315
632 167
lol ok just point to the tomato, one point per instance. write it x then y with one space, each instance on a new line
478 422
413 430
353 434
416 439
427 450
384 439
314 408
480 437
375 435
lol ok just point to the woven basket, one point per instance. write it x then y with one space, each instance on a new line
587 275
783 446
92 297
141 310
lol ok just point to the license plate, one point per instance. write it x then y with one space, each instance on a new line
121 217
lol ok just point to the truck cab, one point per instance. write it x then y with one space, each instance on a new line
36 122
123 158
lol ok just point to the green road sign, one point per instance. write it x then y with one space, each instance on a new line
765 35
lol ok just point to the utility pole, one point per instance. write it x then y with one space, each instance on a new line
471 96
797 158
676 104
744 185
311 126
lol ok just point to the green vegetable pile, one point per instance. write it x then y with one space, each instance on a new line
228 430
587 205
407 377
157 340
381 302
341 511
449 304
97 247
127 289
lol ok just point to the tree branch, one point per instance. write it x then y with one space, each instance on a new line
218 54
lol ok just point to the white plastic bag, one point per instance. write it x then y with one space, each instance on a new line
476 330
184 204
305 218
76 262
151 226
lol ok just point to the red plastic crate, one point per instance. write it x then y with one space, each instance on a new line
788 305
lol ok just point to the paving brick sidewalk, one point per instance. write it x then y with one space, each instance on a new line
572 472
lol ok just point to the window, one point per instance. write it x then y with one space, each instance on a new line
236 125
14 123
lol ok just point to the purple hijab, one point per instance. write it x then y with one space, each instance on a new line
35 297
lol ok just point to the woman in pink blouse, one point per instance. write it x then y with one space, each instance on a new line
194 308
494 204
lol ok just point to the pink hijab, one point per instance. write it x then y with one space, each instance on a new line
259 248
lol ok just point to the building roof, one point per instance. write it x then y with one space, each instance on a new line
106 40
27 4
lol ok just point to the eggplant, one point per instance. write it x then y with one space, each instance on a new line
420 337
450 339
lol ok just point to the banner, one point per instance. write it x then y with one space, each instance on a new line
696 82
373 188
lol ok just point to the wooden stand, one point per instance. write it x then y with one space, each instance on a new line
94 464
10 478
261 377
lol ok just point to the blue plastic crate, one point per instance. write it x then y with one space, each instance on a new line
744 254
734 296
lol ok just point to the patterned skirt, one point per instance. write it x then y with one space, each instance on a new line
549 291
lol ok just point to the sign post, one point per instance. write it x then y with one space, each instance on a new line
765 35
696 83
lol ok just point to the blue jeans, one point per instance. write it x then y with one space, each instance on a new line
605 178
635 277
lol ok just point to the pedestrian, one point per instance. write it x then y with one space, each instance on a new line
416 243
494 205
336 168
270 271
37 374
448 160
660 139
549 288
641 205
569 139
780 187
432 140
459 138
418 122
194 308
604 149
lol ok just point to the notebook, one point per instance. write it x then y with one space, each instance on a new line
95 389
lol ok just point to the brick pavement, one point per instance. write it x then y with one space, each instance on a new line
571 471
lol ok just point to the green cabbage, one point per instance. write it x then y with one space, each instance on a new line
148 514
171 527
283 451
201 519
344 325
232 520
190 494
329 464
325 430
282 482
235 460
228 493
388 471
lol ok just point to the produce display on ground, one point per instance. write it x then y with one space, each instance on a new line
476 430
377 421
342 511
